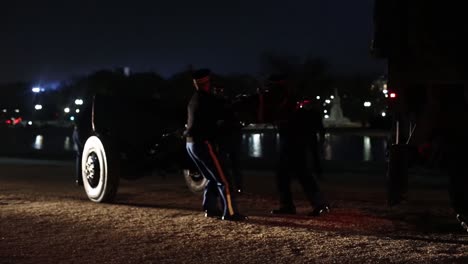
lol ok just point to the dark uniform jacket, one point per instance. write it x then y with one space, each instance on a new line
204 111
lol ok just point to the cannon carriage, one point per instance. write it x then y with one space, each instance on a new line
128 138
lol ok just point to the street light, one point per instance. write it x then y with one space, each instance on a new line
77 111
318 97
38 107
66 110
327 101
36 89
79 102
367 104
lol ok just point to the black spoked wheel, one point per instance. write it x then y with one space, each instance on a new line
100 171
195 181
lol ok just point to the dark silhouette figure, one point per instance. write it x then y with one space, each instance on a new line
311 117
295 138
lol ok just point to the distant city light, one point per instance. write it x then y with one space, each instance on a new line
36 89
17 110
72 118
30 123
332 97
66 110
386 96
325 111
38 107
78 101
318 97
327 116
385 91
367 104
327 101
4 110
384 114
77 111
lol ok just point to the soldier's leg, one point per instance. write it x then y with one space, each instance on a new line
283 181
234 156
229 154
206 153
210 194
309 183
316 159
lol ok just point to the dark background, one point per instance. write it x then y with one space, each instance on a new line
50 40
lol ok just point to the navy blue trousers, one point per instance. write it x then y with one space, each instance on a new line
206 159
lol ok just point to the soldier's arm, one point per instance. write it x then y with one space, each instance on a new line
191 120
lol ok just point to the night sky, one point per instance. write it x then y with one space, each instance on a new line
47 40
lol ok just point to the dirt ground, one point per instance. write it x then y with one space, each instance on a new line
44 218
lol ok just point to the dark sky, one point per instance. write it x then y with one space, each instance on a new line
44 40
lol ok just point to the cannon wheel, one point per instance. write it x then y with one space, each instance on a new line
100 171
195 181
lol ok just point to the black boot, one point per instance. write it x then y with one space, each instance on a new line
463 221
213 213
234 217
320 210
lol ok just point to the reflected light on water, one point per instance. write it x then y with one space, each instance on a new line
38 142
277 142
367 146
327 149
255 146
67 145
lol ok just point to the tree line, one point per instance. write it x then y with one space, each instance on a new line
311 77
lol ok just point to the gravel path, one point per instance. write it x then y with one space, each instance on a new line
45 219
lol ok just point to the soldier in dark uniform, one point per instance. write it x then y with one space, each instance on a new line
312 117
293 152
203 114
